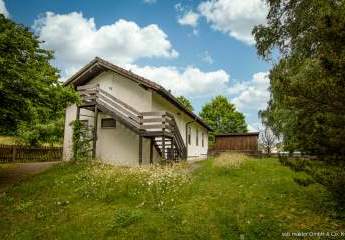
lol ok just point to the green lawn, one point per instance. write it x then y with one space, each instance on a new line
254 200
8 140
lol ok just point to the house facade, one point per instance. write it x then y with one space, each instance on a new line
132 119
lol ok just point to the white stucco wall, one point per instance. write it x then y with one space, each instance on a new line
120 145
161 104
197 151
70 115
125 89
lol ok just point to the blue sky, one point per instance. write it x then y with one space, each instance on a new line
195 48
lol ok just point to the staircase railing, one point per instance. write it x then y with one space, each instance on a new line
156 123
94 94
178 137
145 123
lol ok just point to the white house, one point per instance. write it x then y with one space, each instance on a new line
138 121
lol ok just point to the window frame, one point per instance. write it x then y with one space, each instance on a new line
189 135
108 127
197 137
202 139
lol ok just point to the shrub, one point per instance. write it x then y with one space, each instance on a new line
333 178
329 173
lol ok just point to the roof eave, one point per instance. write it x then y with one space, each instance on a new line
167 94
147 83
80 72
237 134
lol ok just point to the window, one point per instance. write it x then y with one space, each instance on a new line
197 137
202 140
189 133
108 123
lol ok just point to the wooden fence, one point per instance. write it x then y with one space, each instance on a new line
19 153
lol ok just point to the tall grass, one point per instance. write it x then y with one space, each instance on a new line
8 140
230 160
158 187
256 200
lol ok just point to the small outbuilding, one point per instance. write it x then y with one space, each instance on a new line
240 142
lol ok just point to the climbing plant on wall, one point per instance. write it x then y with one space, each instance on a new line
82 138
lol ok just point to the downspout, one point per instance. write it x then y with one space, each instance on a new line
187 137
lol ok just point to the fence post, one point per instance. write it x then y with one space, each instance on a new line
14 151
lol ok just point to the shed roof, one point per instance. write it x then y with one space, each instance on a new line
98 65
237 134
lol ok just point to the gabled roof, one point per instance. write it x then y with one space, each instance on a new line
98 65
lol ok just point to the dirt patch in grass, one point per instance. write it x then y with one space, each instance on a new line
11 173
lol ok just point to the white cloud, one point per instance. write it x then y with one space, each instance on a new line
179 7
150 1
190 18
252 127
189 81
195 32
251 96
235 17
3 9
76 40
207 58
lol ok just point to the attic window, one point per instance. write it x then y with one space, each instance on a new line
108 123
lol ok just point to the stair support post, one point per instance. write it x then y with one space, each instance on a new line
140 150
78 113
151 151
173 146
163 138
163 146
94 140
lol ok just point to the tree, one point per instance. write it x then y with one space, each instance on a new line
307 104
35 133
30 92
222 117
267 139
186 103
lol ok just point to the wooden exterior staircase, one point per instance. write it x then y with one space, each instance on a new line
160 127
